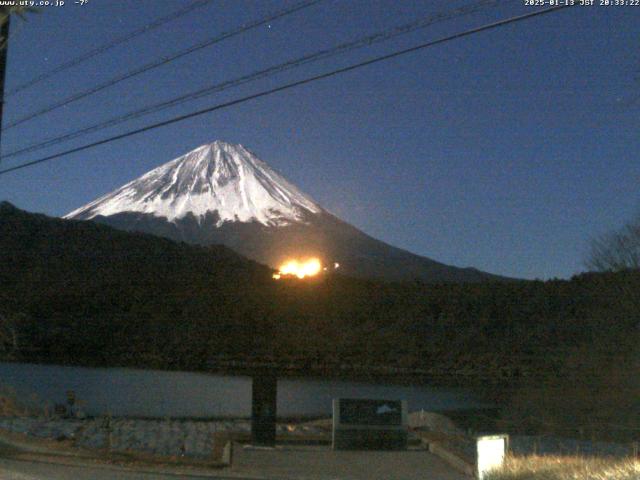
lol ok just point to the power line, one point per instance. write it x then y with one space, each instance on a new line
108 46
265 73
287 86
163 61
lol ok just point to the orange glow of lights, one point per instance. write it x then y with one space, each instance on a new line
300 269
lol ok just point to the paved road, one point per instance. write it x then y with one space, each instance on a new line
23 470
283 463
323 463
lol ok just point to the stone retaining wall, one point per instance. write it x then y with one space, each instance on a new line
190 438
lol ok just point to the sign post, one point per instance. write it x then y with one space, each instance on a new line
263 410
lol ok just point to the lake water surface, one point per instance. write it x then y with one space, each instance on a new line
154 393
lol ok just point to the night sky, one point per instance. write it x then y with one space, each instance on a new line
506 151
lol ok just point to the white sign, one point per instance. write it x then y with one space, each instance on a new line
492 450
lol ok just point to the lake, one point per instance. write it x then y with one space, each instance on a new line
154 393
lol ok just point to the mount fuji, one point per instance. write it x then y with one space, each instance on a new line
222 193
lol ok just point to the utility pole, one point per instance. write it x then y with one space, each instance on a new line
4 39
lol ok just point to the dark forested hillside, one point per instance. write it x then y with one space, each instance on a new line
90 294
83 293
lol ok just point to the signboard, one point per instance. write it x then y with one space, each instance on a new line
491 451
370 412
369 424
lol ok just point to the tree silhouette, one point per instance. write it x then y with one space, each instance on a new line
618 250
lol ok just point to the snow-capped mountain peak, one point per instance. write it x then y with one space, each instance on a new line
218 177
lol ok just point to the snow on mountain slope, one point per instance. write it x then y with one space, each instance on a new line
218 177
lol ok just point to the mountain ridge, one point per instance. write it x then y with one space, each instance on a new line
221 193
220 177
